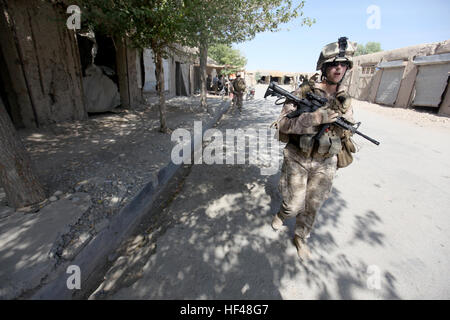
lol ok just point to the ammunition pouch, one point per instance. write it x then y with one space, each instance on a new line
345 156
329 145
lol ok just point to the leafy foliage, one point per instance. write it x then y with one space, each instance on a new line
226 55
233 21
370 47
199 24
148 24
258 76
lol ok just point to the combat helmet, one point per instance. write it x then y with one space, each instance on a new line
342 50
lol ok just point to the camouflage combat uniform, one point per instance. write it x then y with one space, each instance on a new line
309 166
238 91
310 163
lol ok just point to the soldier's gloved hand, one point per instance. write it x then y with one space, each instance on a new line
330 116
322 116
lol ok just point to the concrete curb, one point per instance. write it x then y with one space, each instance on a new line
95 254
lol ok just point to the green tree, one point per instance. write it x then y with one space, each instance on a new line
232 21
148 24
258 76
162 23
17 175
370 47
226 55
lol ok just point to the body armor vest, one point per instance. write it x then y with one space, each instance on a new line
330 143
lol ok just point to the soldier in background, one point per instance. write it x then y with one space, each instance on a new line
238 88
215 87
300 81
208 83
309 165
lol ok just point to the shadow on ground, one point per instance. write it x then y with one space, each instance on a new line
214 241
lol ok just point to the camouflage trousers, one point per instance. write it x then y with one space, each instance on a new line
305 184
238 99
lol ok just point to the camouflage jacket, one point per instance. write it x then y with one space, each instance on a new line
300 130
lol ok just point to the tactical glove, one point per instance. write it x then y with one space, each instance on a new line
322 116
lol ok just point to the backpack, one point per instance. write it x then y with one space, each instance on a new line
239 85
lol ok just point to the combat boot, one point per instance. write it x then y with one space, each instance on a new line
277 221
302 249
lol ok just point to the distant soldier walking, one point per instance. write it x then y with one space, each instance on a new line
238 88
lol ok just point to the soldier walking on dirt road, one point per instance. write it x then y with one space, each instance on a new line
310 164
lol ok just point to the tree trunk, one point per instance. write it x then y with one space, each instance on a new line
203 63
162 98
21 185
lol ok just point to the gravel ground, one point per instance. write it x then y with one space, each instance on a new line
386 222
111 156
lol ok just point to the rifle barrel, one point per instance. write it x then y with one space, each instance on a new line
340 122
368 138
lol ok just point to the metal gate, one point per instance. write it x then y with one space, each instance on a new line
431 82
390 84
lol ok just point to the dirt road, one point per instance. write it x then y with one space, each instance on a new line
383 233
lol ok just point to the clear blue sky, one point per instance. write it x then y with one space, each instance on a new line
295 48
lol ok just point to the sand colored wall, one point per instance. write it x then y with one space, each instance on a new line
368 90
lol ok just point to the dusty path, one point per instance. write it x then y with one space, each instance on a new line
383 234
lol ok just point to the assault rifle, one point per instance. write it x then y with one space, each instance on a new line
311 104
